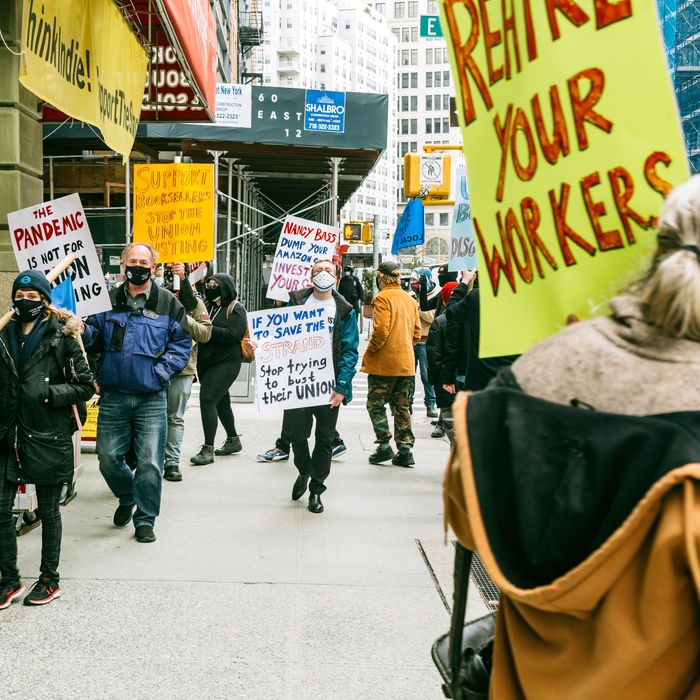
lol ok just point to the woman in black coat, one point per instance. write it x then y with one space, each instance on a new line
43 375
218 365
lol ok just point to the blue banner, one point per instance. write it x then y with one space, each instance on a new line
410 230
62 295
324 110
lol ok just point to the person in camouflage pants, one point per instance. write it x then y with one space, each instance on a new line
398 393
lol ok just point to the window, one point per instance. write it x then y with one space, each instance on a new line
405 56
323 52
323 68
404 126
428 56
432 7
444 219
428 80
399 10
380 7
404 148
428 126
414 57
436 126
414 80
404 103
414 33
429 103
430 219
397 33
446 78
414 126
413 8
445 125
414 147
414 103
436 101
405 34
438 79
404 80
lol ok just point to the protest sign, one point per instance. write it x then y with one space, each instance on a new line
42 235
301 244
572 140
198 271
293 357
410 229
174 210
462 248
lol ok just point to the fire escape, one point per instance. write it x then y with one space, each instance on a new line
250 37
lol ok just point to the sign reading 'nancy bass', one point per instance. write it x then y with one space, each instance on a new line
324 110
294 359
572 140
44 234
174 210
301 244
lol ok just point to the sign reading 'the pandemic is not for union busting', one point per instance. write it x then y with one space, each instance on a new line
572 140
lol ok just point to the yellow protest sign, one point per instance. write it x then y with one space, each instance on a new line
174 210
572 139
81 57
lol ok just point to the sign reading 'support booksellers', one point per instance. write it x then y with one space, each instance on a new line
293 357
572 140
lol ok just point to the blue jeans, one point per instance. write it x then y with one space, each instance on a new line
420 354
178 395
143 417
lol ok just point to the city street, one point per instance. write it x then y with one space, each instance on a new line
246 594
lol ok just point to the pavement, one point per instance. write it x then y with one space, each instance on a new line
246 594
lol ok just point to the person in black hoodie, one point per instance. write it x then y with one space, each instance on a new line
218 365
43 375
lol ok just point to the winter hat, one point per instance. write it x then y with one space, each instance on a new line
389 268
447 291
418 271
32 279
446 274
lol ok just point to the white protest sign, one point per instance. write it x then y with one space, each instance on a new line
198 271
45 233
293 357
301 244
462 244
234 105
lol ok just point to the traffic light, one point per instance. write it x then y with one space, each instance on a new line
429 172
358 232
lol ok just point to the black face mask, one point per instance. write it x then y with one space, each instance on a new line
137 274
28 310
212 293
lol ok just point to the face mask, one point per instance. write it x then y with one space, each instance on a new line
323 281
212 293
415 286
160 281
28 310
137 274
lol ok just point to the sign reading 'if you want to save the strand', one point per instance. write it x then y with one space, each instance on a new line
572 139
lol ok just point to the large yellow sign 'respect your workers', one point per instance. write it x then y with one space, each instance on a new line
81 57
572 139
174 210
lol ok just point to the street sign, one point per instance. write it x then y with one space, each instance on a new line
431 171
324 110
430 27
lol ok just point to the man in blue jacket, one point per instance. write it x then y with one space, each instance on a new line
342 324
138 345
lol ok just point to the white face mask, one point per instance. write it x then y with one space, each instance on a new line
323 281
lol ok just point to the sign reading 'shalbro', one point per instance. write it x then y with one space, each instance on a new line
324 110
572 140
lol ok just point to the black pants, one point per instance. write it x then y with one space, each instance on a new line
214 399
317 465
51 531
284 441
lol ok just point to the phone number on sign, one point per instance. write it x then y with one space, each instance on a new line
323 127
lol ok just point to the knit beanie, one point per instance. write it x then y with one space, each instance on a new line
32 279
447 291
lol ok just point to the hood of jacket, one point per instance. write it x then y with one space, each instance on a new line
227 286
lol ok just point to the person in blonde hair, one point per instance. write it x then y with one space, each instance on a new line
576 478
43 373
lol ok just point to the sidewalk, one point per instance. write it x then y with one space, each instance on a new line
245 594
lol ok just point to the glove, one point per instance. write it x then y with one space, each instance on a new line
423 281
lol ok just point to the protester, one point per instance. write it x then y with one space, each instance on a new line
597 472
218 365
351 288
139 345
390 364
426 320
43 374
435 347
435 303
342 326
181 384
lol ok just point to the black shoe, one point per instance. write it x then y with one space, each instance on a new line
381 454
172 473
339 449
432 413
230 447
204 456
9 592
122 515
144 533
403 459
439 431
315 505
42 592
300 486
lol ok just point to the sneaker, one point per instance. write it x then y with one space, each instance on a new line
230 447
42 592
381 454
432 411
172 473
403 459
122 515
439 431
145 534
338 450
10 591
204 456
273 455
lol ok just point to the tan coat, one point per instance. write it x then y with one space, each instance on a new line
200 330
396 330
